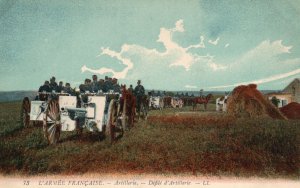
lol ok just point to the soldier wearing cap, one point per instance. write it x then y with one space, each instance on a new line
101 85
108 84
116 86
86 86
53 84
45 87
60 87
95 84
130 89
68 89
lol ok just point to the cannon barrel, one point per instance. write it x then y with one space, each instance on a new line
75 109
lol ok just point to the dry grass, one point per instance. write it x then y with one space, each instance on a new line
247 101
201 143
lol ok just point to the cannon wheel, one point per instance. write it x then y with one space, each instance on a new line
51 122
124 116
109 130
25 110
114 127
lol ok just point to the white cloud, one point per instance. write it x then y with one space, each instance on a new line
264 52
262 81
214 42
119 75
216 67
143 63
200 45
174 54
179 26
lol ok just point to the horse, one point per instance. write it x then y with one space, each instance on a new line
201 100
145 101
176 102
156 102
187 101
128 101
221 103
167 101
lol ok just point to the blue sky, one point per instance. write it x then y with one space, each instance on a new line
169 45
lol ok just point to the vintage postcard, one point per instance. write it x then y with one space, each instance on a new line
149 93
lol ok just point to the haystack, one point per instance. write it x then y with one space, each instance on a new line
291 111
247 101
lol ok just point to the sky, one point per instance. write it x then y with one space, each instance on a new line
167 44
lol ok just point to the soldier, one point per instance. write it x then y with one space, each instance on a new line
201 93
89 85
95 84
53 84
164 94
68 89
86 87
108 84
130 89
101 85
60 87
153 93
116 86
139 92
158 93
45 87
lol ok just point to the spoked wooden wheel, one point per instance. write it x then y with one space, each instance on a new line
25 110
109 130
51 122
114 125
124 119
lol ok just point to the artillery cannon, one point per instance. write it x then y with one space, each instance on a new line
103 113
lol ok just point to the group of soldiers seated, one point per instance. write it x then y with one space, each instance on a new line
101 85
53 87
90 86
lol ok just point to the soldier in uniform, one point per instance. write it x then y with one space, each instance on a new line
108 84
95 84
53 84
130 89
101 85
44 88
116 86
158 93
139 92
201 93
68 89
86 87
164 94
60 87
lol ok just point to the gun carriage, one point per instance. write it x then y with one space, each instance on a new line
103 113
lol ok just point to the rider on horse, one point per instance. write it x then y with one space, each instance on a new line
139 92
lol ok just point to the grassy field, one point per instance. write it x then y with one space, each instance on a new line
169 142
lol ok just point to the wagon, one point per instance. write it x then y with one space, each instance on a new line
156 102
103 113
176 102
